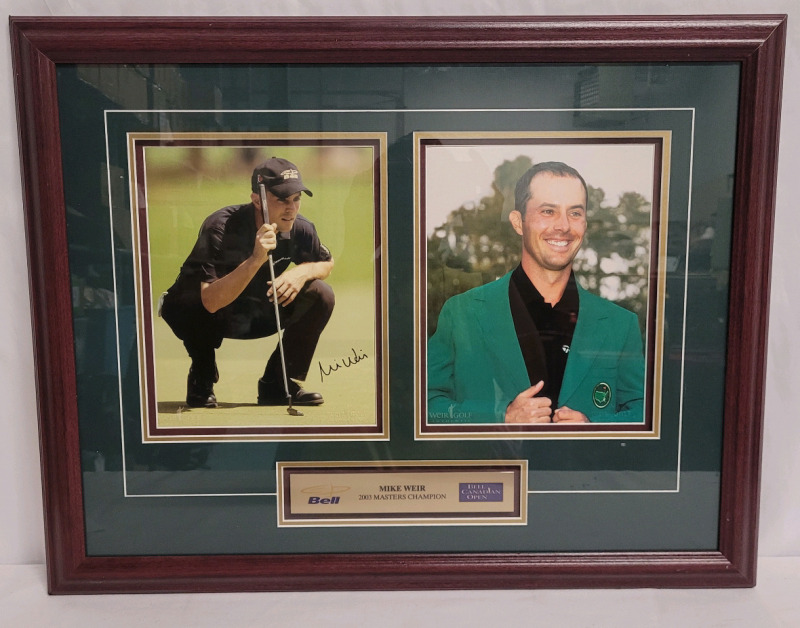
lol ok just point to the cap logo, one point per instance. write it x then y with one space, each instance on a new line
290 174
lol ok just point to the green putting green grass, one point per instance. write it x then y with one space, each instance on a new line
349 391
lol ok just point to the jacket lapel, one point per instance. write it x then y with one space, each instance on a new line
499 337
589 340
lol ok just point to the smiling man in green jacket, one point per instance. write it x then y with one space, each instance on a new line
533 346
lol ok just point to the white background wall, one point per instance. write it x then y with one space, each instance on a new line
21 527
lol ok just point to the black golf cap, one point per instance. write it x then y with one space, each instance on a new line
279 176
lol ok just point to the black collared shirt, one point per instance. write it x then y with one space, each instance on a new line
226 240
544 331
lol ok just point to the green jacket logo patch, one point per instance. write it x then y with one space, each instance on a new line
601 395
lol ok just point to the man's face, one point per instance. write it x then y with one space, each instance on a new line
282 211
554 224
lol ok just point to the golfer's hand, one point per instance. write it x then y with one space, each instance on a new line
266 241
568 415
528 408
288 285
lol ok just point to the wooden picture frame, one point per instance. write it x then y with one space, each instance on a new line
41 46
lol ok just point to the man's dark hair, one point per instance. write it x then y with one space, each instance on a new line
522 193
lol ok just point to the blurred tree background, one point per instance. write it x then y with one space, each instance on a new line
476 245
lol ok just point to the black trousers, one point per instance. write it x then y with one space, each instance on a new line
249 317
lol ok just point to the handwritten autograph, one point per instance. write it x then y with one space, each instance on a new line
345 362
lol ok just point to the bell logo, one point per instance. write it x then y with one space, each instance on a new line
323 500
325 494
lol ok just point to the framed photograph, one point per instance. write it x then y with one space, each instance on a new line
175 175
399 303
617 255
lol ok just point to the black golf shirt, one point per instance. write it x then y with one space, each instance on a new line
226 240
544 331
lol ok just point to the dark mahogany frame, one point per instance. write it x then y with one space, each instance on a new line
756 42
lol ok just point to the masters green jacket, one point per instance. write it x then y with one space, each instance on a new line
476 368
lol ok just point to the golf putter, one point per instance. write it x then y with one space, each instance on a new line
265 214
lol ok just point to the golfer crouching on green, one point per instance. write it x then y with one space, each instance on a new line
224 289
